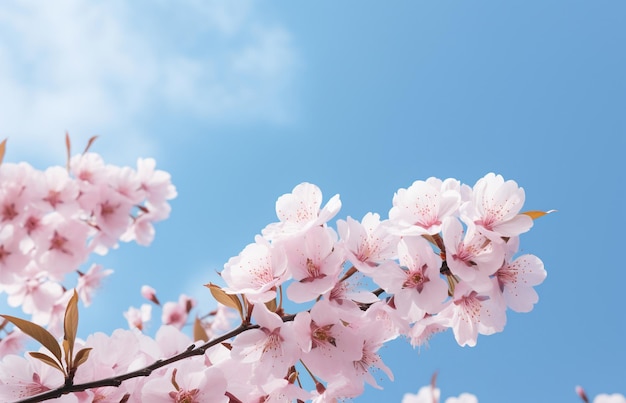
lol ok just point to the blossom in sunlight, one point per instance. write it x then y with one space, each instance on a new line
256 271
495 207
90 281
300 210
137 318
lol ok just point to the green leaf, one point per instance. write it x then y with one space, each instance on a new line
47 359
38 333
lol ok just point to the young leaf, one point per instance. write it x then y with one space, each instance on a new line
89 143
81 357
223 298
38 333
47 359
271 305
70 326
68 148
198 331
3 148
536 214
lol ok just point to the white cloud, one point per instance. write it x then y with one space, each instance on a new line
105 67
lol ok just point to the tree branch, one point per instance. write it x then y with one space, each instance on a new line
116 381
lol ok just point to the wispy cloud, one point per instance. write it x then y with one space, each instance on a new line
106 67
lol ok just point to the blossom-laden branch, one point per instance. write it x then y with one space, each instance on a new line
116 381
446 258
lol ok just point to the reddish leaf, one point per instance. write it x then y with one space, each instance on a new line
89 143
46 359
70 326
3 148
68 148
198 331
231 301
536 214
81 356
38 333
271 305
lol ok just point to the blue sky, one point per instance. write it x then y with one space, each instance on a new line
241 102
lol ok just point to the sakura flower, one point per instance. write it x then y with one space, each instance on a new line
256 271
58 192
272 348
137 318
23 377
149 293
417 285
65 245
176 313
470 255
300 210
374 337
495 207
324 338
12 258
606 398
156 183
88 282
471 313
421 208
13 342
516 280
367 243
36 294
190 382
314 263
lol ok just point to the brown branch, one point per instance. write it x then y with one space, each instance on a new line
146 371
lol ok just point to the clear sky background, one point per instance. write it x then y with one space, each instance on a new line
241 101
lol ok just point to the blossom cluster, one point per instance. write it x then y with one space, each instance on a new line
52 220
445 258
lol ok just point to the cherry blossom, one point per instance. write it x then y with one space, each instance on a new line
495 207
421 208
256 271
300 210
314 264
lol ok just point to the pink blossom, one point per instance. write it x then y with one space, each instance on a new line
367 243
300 210
12 260
90 281
495 207
324 338
13 342
36 294
417 285
271 348
471 313
157 184
314 264
176 313
149 293
23 377
190 382
421 208
256 271
470 255
516 280
137 318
